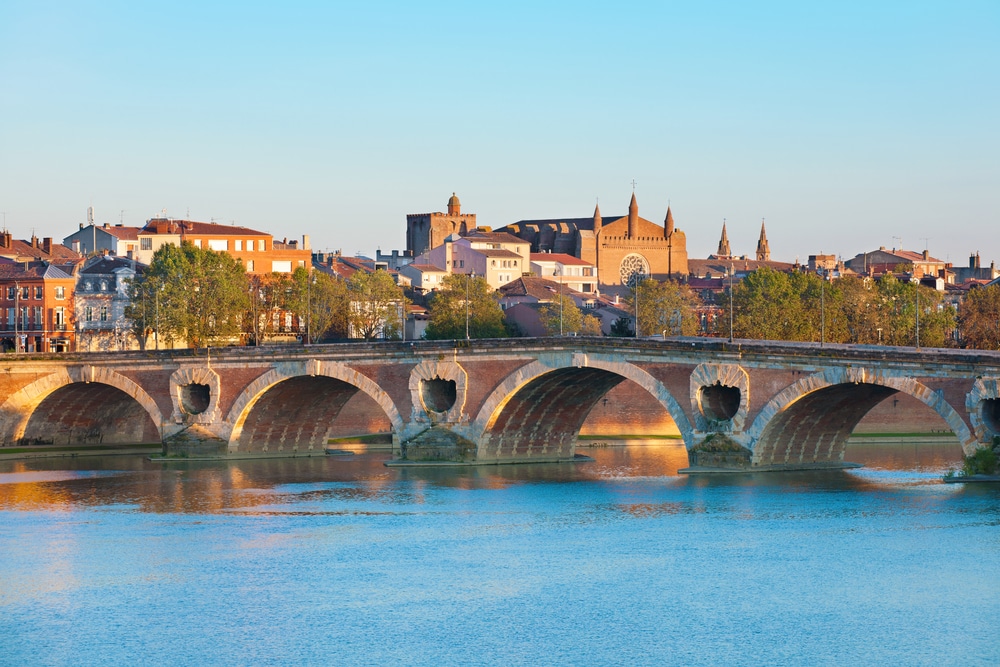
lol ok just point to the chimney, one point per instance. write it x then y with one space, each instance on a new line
978 265
47 245
305 242
972 261
5 240
927 254
34 241
448 254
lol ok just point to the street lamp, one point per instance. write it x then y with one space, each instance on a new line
822 312
730 302
917 312
467 277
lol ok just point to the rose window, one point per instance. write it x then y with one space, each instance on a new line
634 268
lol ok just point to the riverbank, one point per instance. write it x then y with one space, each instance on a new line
71 451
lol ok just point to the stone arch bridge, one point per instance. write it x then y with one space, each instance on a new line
769 404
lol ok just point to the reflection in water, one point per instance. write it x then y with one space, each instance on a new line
340 560
245 484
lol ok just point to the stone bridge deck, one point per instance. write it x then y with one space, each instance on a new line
777 404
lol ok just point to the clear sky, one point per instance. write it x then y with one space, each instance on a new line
845 124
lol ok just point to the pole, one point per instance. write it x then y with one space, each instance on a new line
17 315
917 313
822 311
637 305
560 306
466 306
308 309
156 332
730 303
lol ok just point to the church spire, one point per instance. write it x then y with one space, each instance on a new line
597 218
763 249
668 224
633 218
724 249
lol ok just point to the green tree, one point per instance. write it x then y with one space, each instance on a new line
322 302
375 303
979 318
463 299
666 306
198 296
561 317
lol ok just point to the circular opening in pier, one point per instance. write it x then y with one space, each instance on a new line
991 414
195 398
438 395
719 402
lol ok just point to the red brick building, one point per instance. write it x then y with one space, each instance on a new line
37 307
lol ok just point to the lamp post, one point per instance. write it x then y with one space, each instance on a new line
309 280
638 281
916 297
730 303
156 331
822 312
17 315
467 278
560 305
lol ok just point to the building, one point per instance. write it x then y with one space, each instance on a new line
573 272
116 240
496 256
426 231
99 301
621 249
257 251
881 261
35 250
37 307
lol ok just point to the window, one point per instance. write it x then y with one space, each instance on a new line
261 245
218 245
89 314
146 243
104 313
250 245
60 292
60 318
37 315
281 266
38 292
88 286
302 263
238 244
11 293
104 285
24 293
249 264
197 243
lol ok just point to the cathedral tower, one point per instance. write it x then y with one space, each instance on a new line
763 249
724 249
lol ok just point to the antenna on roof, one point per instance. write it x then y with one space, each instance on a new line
926 240
121 217
900 239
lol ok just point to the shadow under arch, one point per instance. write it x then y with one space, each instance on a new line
81 405
537 411
305 423
812 419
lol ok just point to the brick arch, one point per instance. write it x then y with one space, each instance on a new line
289 370
575 382
811 420
17 410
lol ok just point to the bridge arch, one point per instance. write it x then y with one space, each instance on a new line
538 409
812 419
337 381
81 404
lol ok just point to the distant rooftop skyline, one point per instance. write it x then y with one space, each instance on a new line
847 126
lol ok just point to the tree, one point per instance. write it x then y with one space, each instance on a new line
322 302
461 300
374 307
561 317
666 306
979 319
622 328
198 296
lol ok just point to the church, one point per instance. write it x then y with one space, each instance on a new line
622 248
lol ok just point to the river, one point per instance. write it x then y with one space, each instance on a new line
339 560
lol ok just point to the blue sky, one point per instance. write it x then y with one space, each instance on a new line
846 125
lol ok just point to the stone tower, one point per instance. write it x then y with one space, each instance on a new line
454 205
426 231
763 249
633 218
724 249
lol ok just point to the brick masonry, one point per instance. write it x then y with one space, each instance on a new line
521 399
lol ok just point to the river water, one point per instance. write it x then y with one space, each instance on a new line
339 560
